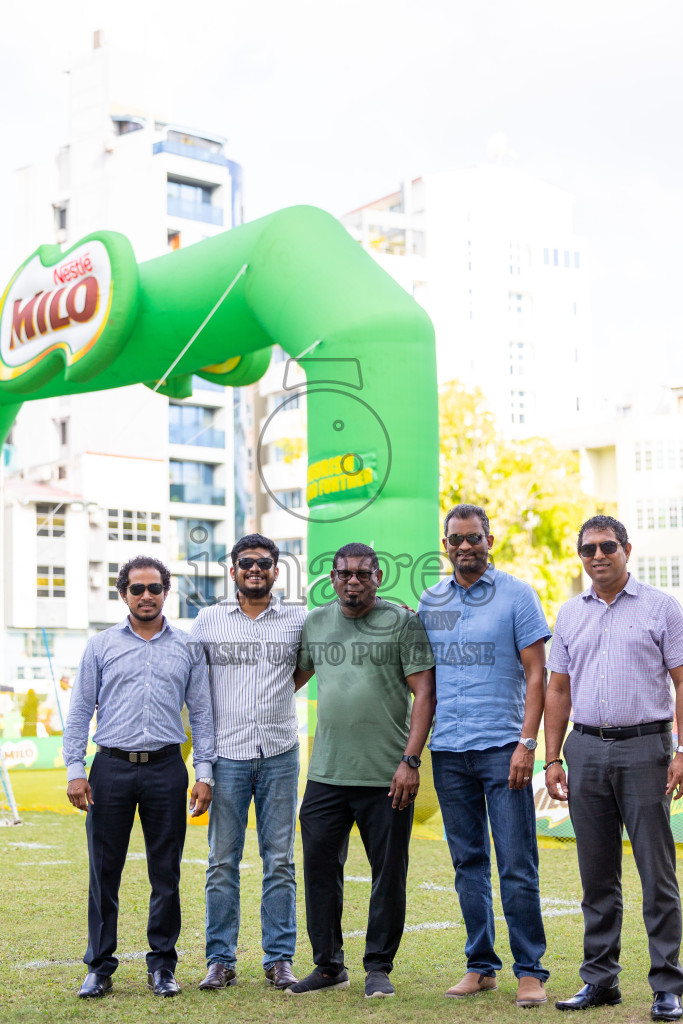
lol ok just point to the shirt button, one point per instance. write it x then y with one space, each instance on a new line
602 677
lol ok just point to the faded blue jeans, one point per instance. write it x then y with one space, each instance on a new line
468 784
272 781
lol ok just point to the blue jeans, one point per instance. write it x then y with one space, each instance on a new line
272 781
469 784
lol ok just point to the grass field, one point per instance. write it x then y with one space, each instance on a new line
43 867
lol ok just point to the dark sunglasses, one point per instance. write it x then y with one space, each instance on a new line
608 547
136 589
456 539
263 563
362 575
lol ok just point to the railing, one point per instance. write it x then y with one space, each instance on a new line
197 494
194 152
205 437
205 212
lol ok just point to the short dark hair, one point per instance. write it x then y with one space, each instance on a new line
356 550
604 523
467 512
142 562
254 540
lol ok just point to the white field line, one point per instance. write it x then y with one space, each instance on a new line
32 965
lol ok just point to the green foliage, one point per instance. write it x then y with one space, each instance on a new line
531 492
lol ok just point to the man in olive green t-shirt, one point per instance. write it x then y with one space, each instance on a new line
368 657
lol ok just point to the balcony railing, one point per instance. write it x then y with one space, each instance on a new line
205 437
195 152
205 212
197 494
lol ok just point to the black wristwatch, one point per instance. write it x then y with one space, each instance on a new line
412 759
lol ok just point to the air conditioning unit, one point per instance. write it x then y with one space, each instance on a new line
96 580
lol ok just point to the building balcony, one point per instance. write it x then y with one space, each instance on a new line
204 212
205 437
197 494
194 152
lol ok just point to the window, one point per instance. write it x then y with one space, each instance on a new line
51 581
50 521
61 219
293 546
675 572
125 524
112 593
61 473
289 499
173 240
34 644
62 431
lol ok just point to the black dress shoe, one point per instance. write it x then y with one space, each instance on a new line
95 985
219 976
591 995
666 1006
163 983
281 975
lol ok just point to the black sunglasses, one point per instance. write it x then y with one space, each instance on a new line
456 539
263 563
608 547
136 589
362 575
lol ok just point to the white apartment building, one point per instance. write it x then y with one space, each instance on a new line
112 474
492 255
634 461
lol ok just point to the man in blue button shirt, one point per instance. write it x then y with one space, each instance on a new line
138 675
488 634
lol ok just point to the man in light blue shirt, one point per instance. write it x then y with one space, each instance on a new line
488 634
138 675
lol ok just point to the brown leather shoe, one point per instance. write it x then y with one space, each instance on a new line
472 984
219 976
530 992
280 974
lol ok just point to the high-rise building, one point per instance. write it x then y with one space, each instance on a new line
98 478
492 255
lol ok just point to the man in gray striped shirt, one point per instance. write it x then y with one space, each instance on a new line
251 643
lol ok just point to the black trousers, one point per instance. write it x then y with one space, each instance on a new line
327 816
613 783
159 792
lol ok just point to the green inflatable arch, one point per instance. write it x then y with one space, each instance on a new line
91 318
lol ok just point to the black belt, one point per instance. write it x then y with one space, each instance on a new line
626 732
140 756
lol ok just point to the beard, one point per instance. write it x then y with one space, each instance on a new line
255 588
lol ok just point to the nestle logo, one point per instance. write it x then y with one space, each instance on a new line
73 269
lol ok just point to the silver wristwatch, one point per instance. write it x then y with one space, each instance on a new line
207 782
528 743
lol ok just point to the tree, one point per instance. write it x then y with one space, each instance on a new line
530 490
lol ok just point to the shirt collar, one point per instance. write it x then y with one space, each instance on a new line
125 624
632 587
486 577
232 605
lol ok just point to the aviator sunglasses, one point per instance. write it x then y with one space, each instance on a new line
263 563
608 547
456 539
136 589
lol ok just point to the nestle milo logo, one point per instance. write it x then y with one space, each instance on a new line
61 304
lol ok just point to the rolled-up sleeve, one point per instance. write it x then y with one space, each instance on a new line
81 710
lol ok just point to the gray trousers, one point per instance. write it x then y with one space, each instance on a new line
613 783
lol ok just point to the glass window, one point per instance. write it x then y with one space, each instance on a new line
50 581
50 521
663 573
126 524
675 572
112 593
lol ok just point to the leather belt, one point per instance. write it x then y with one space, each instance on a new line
626 732
140 756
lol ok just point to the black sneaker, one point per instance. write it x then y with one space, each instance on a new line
316 981
377 984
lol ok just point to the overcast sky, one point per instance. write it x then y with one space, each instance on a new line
333 102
